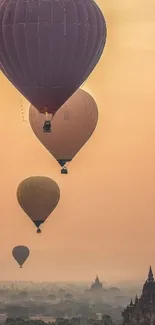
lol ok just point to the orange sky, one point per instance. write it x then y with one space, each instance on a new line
105 221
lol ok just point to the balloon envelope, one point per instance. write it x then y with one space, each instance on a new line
72 126
20 254
49 48
38 196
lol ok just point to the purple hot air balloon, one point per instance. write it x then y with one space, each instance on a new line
49 48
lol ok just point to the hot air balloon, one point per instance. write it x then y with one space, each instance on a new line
20 254
72 126
38 196
49 48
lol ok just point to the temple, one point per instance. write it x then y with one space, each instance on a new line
142 310
96 285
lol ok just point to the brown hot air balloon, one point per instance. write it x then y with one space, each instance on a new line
38 196
20 254
72 126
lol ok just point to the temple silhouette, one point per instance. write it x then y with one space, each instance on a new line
142 310
96 285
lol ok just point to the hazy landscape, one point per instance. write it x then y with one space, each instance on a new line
48 301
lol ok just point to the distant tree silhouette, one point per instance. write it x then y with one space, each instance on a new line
68 296
17 311
51 296
84 310
14 321
23 294
106 320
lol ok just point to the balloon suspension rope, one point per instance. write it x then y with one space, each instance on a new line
22 111
66 115
64 169
47 116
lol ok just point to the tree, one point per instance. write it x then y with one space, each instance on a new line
106 320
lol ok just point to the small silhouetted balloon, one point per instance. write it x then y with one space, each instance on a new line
38 196
72 126
20 254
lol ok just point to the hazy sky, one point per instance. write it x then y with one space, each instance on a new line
105 221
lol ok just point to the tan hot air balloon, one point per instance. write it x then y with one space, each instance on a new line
72 126
38 196
20 254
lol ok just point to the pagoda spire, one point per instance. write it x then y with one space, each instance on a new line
136 299
150 275
97 279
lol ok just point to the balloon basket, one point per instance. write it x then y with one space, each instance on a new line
64 170
47 127
38 231
20 267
